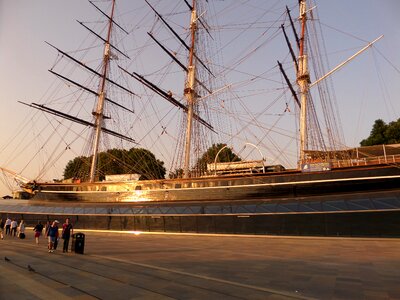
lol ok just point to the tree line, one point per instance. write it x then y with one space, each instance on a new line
383 133
139 161
142 161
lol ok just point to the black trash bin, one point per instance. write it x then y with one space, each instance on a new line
78 243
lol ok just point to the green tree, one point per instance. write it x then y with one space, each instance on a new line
145 163
392 132
226 155
383 133
118 161
79 167
178 173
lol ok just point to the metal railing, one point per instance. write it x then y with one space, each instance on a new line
373 160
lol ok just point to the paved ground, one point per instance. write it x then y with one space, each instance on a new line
163 266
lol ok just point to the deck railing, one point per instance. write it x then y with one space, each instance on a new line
375 160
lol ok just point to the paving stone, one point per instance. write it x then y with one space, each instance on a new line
167 266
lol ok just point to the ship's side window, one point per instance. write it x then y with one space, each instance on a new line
178 185
138 188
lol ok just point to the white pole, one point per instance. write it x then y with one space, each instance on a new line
384 152
345 62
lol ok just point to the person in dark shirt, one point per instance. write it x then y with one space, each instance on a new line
67 230
53 235
38 231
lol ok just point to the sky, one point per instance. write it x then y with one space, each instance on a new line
366 89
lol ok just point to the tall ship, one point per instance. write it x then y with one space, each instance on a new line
206 170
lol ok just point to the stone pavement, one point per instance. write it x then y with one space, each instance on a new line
167 266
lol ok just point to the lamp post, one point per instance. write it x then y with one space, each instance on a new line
216 156
262 157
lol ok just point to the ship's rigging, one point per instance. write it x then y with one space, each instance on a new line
188 48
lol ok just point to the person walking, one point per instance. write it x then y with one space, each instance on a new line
52 234
38 231
21 230
14 226
8 226
46 230
2 225
67 230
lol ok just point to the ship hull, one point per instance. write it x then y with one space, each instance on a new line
341 202
266 187
350 214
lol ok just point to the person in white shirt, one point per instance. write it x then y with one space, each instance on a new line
8 226
14 226
21 227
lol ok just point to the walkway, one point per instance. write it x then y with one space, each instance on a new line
165 266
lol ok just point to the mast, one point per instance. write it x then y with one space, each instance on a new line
99 117
189 91
303 81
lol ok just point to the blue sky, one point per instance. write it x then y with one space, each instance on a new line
366 89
